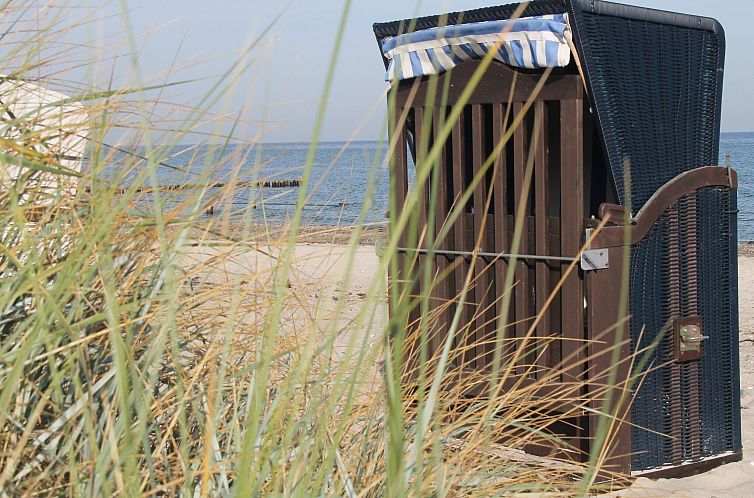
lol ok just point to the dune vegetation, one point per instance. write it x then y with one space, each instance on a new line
149 349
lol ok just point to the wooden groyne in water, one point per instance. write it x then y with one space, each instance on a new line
296 182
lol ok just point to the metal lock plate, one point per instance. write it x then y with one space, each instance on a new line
689 339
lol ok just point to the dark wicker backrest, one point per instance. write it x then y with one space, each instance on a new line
655 79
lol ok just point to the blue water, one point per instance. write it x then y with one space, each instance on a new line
740 146
339 184
340 178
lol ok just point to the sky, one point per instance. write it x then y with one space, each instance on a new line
280 92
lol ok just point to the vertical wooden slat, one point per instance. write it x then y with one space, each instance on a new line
399 170
501 215
418 238
459 229
571 234
400 187
490 313
480 273
442 290
541 193
553 230
604 293
422 145
399 180
522 312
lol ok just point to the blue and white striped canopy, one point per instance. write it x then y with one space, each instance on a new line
528 42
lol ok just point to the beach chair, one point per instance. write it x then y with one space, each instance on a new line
617 145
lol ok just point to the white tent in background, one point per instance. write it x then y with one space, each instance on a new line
47 122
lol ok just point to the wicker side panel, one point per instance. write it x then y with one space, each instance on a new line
685 412
718 290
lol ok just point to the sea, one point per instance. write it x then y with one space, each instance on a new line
739 147
349 181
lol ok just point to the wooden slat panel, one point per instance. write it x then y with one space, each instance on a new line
522 311
571 233
541 193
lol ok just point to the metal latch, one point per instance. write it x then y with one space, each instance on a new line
689 338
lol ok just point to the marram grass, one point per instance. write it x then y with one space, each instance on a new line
146 350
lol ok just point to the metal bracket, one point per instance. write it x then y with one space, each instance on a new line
688 339
595 259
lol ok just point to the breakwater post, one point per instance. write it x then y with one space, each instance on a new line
295 182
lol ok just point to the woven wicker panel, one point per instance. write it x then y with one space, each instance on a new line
718 290
687 267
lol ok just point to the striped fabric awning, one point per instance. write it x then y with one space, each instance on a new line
528 42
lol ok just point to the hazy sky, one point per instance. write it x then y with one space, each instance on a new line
284 83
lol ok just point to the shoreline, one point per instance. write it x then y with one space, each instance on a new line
307 234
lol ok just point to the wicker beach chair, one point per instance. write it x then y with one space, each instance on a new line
628 133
